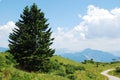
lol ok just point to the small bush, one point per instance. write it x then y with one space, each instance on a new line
91 75
9 59
88 61
6 60
80 68
61 64
72 77
61 73
70 69
15 76
52 66
118 69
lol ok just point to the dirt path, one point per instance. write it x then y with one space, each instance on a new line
109 76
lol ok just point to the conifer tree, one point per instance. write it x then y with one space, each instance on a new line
30 42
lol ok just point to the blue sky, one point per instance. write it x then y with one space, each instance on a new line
76 24
59 12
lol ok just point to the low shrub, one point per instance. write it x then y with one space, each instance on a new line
91 76
61 73
15 76
70 69
10 60
54 65
72 77
117 69
80 68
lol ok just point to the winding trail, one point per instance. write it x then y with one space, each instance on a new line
105 73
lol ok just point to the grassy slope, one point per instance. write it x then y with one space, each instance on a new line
91 72
8 72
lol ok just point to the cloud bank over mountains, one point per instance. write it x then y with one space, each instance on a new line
99 29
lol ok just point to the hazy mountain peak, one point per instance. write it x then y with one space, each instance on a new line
88 50
87 54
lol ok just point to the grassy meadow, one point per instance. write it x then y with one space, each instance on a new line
61 69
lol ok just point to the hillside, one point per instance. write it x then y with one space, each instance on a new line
87 54
62 69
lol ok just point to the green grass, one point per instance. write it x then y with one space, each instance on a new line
9 72
92 71
114 73
62 69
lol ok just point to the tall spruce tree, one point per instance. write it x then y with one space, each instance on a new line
30 42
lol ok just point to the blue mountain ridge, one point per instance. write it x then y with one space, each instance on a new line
2 49
87 54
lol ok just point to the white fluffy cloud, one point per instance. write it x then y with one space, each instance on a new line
102 23
5 30
99 29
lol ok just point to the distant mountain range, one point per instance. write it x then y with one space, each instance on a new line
2 49
87 54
